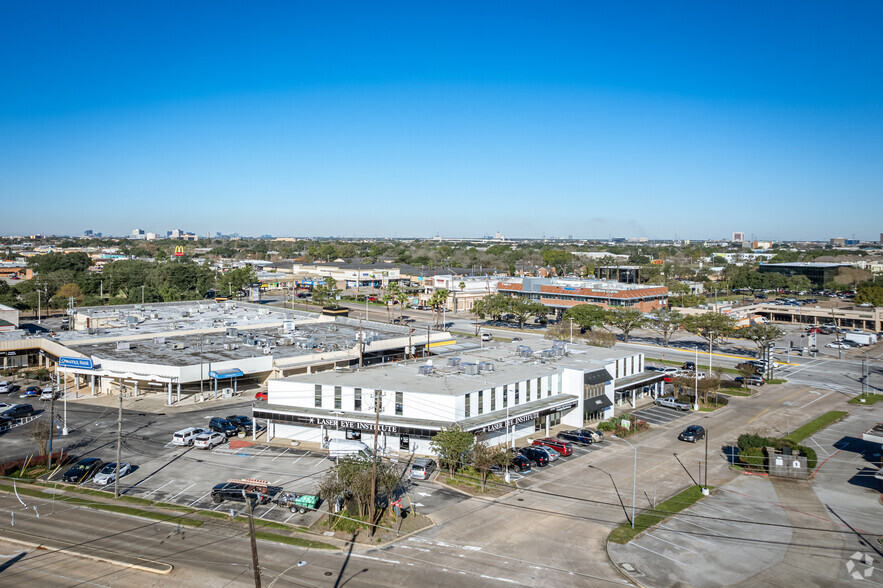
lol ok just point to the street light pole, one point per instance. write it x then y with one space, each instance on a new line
634 478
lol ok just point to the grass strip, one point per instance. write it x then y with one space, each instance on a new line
270 524
625 533
731 392
776 381
870 399
292 540
815 425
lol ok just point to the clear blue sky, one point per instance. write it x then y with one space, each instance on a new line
656 119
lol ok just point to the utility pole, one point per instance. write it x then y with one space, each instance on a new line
142 293
116 477
706 458
51 426
254 546
377 399
361 344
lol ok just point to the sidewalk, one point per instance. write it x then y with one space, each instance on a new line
158 402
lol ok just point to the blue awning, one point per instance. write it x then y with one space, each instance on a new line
223 374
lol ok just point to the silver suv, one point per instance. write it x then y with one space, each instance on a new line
672 402
422 468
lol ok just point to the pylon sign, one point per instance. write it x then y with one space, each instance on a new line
179 251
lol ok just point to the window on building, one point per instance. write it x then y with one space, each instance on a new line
481 402
505 396
517 393
493 399
554 419
317 402
527 396
400 397
357 399
338 398
539 388
467 412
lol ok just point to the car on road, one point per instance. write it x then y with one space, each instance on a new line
671 402
835 345
32 391
562 447
262 395
241 491
242 422
536 455
516 339
486 337
18 411
220 425
575 437
108 473
48 393
209 440
422 468
693 433
82 470
754 380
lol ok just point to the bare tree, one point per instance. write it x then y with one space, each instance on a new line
40 430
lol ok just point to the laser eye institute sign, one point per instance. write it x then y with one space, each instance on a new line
84 363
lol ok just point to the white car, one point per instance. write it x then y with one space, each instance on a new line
47 393
834 345
5 387
108 473
209 440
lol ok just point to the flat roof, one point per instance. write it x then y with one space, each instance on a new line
508 367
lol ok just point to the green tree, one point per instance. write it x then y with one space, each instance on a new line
236 280
626 319
485 457
51 262
587 316
524 309
665 321
869 293
761 334
557 258
799 283
450 444
437 301
711 326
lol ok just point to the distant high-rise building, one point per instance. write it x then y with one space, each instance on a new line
837 241
738 237
88 233
137 234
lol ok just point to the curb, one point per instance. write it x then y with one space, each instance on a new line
135 563
617 566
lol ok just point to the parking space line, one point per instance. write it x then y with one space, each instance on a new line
679 546
289 518
182 492
318 461
260 452
816 400
200 498
728 511
695 524
157 489
268 512
822 449
280 455
636 544
301 457
217 507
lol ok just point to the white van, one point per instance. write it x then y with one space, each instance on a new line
347 448
185 436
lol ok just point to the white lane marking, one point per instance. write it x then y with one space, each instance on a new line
289 518
182 492
268 512
280 455
682 532
300 458
157 489
822 449
816 400
219 506
652 536
260 452
200 498
636 544
318 461
375 558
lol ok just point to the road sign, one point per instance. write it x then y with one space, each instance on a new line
75 362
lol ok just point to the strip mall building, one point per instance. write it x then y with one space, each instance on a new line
562 293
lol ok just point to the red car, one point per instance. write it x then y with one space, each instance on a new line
262 395
562 447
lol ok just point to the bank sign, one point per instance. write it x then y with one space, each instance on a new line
75 362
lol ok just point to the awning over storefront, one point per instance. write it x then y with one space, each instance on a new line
598 403
638 380
224 374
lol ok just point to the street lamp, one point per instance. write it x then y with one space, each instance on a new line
634 478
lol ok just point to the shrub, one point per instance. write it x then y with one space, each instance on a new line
607 426
747 440
811 458
599 339
752 457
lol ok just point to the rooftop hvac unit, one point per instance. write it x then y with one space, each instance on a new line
558 345
424 370
524 351
230 346
287 326
186 314
486 366
470 369
178 346
547 353
453 361
155 315
263 311
159 340
122 345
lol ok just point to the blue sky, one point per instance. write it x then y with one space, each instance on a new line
656 119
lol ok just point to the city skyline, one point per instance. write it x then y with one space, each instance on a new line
689 120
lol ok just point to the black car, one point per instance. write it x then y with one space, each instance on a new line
82 470
575 437
5 422
693 433
535 455
219 425
689 366
18 411
243 423
239 492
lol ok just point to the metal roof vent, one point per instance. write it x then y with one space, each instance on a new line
453 361
469 368
486 366
123 345
425 370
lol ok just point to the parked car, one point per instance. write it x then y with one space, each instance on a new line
671 402
562 447
186 436
520 463
243 423
5 387
536 455
693 433
82 470
487 337
48 393
596 435
747 364
5 422
240 492
422 468
18 411
108 473
689 366
31 391
224 426
670 370
575 437
262 395
754 380
553 455
208 440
